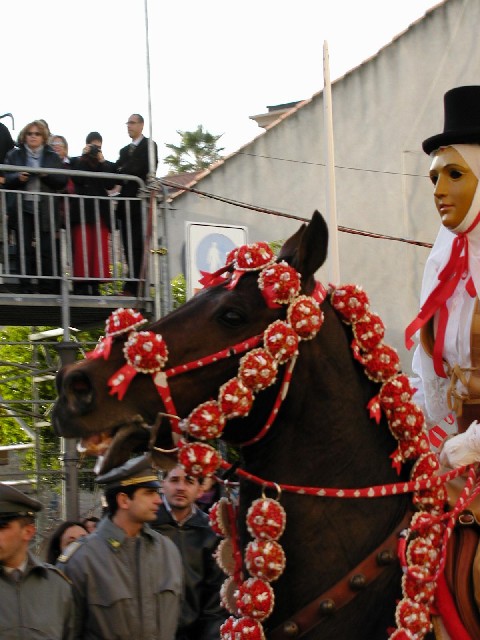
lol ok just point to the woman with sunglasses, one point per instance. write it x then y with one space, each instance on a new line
33 151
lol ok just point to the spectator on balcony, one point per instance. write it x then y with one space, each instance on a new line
60 145
6 143
134 160
33 151
90 218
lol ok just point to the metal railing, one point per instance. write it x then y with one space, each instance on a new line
47 237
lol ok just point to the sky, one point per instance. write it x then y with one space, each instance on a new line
82 66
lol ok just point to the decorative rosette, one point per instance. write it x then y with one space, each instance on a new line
410 449
425 524
281 341
227 595
415 589
381 363
425 467
258 369
219 518
206 422
123 321
305 317
253 257
224 555
247 629
231 256
350 301
265 559
430 499
421 552
279 284
145 352
407 421
395 392
400 634
119 322
198 459
235 399
255 599
226 630
369 331
266 519
414 616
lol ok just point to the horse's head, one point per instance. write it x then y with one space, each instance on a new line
217 318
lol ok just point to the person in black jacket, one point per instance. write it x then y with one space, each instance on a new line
183 522
34 151
134 160
90 217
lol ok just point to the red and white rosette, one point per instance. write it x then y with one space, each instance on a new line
206 422
258 369
253 257
414 616
381 363
219 518
279 283
225 556
407 421
395 392
265 559
266 519
198 459
414 587
226 629
350 301
145 352
255 599
227 595
119 322
369 331
247 629
235 398
305 317
421 552
281 340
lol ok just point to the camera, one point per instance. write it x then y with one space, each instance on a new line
94 150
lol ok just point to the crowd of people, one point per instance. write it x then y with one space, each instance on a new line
35 219
144 570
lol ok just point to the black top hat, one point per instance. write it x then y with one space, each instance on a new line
462 119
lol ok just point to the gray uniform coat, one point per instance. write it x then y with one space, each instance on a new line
125 588
37 607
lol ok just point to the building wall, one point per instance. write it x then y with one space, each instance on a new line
382 110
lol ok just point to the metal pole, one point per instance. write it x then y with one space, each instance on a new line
152 165
67 351
333 256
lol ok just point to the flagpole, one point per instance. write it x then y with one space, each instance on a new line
333 264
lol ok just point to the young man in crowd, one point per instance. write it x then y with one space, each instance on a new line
183 522
127 579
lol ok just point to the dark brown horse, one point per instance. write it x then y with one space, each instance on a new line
322 437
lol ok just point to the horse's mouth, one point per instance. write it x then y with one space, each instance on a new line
115 446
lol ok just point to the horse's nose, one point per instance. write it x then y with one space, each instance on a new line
77 390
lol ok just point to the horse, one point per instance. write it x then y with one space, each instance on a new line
322 436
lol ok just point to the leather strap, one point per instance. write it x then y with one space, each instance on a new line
358 579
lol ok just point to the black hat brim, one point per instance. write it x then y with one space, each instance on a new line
451 137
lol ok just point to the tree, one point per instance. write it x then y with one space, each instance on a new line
197 151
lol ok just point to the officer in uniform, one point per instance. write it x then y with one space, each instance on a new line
35 598
127 579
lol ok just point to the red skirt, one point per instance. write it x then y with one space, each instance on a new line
90 251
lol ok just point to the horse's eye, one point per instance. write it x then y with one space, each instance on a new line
232 318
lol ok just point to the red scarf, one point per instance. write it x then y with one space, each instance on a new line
448 279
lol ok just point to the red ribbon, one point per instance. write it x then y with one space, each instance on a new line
455 269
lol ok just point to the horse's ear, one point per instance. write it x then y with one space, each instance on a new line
306 250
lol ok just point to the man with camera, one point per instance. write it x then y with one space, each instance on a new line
90 218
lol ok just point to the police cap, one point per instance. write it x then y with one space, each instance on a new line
15 504
138 472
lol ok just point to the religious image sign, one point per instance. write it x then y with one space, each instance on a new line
207 247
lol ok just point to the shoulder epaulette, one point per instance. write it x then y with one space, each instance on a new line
69 551
58 571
